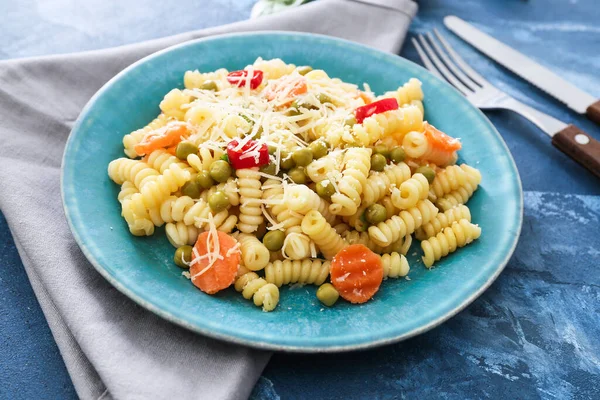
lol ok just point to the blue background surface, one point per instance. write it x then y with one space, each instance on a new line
534 334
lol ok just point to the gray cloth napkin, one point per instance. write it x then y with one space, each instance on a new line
112 347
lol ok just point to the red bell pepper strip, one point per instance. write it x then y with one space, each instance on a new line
376 107
238 78
252 154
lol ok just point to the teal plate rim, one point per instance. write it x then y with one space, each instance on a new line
77 225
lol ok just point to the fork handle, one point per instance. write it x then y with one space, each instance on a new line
593 112
580 146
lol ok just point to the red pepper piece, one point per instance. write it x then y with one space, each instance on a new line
238 78
252 154
376 107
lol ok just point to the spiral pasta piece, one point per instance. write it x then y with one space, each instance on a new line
357 163
137 172
250 195
463 193
180 234
155 192
297 245
403 224
253 287
396 123
204 158
135 137
273 69
443 220
355 237
394 265
318 169
457 197
301 199
448 179
308 271
172 102
195 79
459 234
378 183
408 92
410 192
128 189
321 232
255 256
415 144
161 160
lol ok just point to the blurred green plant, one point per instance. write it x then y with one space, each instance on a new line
266 7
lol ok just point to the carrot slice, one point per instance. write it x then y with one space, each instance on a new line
287 88
167 136
221 274
356 273
439 140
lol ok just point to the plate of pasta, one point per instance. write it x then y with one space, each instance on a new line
291 192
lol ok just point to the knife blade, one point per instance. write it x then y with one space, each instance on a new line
526 68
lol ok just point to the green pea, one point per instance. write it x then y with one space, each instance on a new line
378 162
191 189
302 157
304 69
427 171
184 149
325 189
296 104
220 171
270 169
319 148
218 201
375 214
183 256
293 111
327 294
204 180
272 149
273 240
397 154
209 85
297 175
247 118
323 98
383 150
350 121
287 162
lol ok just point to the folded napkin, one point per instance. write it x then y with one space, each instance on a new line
113 348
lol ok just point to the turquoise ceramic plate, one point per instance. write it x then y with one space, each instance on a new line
142 268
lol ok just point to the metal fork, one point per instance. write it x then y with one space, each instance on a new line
448 65
473 86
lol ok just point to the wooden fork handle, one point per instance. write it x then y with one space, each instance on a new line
593 112
580 146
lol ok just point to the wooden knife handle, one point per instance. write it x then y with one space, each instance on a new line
580 146
593 112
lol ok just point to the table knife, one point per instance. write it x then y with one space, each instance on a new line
526 68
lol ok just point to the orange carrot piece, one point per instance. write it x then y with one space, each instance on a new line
439 140
356 273
222 273
290 87
167 136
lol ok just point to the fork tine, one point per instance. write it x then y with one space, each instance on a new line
455 70
471 73
442 68
426 61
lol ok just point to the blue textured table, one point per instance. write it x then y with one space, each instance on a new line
534 334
